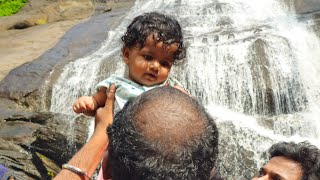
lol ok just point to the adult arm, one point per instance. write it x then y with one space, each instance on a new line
89 156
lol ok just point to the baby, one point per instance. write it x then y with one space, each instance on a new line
152 44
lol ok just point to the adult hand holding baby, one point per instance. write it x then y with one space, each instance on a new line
89 156
104 116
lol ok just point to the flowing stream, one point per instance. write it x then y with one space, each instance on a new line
252 63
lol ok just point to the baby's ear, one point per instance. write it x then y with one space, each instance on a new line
125 54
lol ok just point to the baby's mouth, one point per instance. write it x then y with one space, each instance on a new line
151 76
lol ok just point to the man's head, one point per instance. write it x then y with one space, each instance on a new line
291 161
162 134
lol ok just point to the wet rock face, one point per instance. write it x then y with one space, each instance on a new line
316 26
303 6
270 100
32 81
35 145
29 79
237 159
306 6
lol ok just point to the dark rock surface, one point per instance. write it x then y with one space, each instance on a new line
30 88
34 143
304 6
265 92
316 25
233 146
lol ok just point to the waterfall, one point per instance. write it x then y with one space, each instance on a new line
252 63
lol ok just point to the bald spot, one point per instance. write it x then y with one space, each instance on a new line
170 122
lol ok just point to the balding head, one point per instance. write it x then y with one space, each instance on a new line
170 120
163 134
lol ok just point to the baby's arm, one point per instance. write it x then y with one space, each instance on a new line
181 89
177 85
89 104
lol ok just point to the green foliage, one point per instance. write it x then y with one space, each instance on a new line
50 174
9 7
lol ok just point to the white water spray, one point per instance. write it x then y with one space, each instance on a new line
252 63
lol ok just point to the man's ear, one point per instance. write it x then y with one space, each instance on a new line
125 54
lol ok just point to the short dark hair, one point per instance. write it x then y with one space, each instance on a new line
307 155
11 177
178 140
164 28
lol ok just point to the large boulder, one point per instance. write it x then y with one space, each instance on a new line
316 26
32 81
303 6
35 145
306 6
236 158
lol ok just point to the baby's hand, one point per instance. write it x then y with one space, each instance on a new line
182 89
84 104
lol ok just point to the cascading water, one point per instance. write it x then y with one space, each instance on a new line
251 63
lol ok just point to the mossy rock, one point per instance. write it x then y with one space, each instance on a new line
51 167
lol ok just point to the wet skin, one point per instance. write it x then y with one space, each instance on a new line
151 64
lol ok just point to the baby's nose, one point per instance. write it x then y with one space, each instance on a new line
154 65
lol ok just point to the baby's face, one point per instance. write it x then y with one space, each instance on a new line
151 64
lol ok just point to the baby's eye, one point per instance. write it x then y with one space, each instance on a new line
276 178
148 57
165 64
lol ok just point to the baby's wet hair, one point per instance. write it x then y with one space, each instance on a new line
164 28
